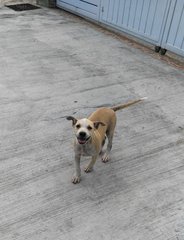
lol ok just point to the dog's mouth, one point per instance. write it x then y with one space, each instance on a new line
83 141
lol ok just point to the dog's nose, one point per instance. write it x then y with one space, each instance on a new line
82 134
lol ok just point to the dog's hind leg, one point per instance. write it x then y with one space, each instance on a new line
103 143
110 134
105 156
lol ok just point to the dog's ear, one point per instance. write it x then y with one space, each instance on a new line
74 120
96 124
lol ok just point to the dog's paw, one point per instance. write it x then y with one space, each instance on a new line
76 179
88 169
105 157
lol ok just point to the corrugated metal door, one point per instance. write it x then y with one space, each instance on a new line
143 18
173 38
70 5
160 22
88 8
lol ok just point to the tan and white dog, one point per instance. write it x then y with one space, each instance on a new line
90 135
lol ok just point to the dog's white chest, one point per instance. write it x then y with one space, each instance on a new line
86 150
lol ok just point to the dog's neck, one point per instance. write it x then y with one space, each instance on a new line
86 149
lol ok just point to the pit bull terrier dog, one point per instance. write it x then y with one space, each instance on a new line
91 133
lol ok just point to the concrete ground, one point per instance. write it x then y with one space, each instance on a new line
53 64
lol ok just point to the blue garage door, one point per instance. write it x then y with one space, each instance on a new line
160 22
142 18
174 32
88 8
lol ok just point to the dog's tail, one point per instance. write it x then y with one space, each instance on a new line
125 105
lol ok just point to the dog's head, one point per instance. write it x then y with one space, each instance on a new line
84 128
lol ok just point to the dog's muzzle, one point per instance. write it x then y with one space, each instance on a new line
82 138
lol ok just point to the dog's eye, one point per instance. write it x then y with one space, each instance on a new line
78 126
89 127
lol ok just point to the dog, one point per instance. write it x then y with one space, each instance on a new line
91 133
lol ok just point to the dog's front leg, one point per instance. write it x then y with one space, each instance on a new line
89 167
77 176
